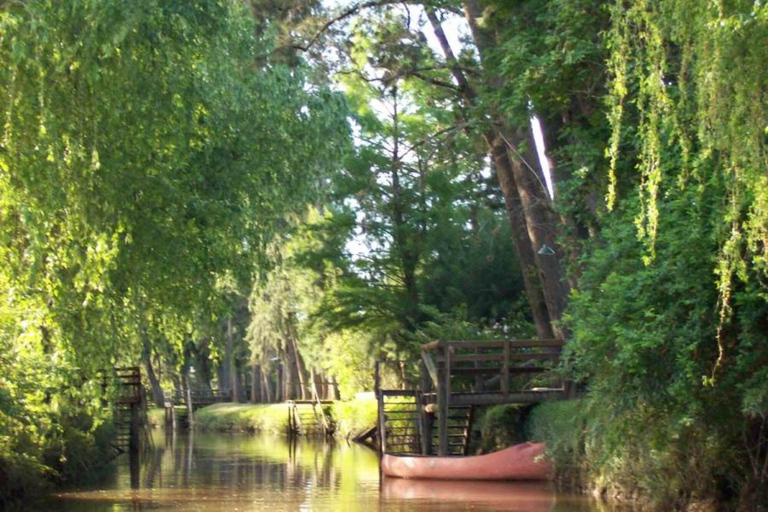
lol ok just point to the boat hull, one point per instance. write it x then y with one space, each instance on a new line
520 462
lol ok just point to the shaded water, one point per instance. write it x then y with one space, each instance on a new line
232 472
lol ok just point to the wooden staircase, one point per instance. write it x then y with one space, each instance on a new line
307 417
129 410
459 431
400 421
122 421
407 426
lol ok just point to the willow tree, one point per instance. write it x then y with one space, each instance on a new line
146 149
670 318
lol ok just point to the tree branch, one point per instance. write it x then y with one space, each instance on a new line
450 58
341 16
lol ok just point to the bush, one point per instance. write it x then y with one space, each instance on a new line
354 417
562 427
502 426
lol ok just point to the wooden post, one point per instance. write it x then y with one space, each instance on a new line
427 416
505 370
190 405
134 442
382 422
429 421
443 399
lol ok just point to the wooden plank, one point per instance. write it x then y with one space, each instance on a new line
476 358
524 397
405 393
496 344
520 356
513 370
434 345
505 371
429 365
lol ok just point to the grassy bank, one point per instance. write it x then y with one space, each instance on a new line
268 418
354 417
632 458
349 418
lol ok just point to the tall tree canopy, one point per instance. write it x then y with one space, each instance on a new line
147 150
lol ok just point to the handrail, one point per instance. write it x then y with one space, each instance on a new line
529 343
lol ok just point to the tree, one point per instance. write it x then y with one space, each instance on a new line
142 158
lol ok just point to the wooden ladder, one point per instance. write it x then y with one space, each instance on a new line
122 422
129 410
307 417
400 421
459 430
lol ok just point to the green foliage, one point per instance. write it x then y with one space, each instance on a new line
143 162
669 318
503 426
562 426
353 417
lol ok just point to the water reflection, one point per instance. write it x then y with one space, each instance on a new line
507 496
228 472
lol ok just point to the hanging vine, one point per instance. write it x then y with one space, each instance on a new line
695 73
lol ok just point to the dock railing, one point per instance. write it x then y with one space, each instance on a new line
490 362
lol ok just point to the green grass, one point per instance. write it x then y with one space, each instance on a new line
271 418
350 418
354 417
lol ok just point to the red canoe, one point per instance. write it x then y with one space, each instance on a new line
520 462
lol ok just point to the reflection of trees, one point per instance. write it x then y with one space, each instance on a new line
230 467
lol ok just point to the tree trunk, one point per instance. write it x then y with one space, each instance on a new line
203 365
280 387
224 370
520 220
290 375
234 371
406 247
190 405
522 243
301 376
158 397
540 220
301 370
266 396
255 383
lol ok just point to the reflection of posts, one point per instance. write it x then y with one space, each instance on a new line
134 445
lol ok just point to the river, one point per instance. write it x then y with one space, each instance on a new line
234 472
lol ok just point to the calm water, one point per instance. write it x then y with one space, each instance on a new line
231 472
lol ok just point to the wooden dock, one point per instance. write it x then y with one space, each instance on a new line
307 417
129 415
457 376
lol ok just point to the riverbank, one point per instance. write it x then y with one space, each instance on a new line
348 418
587 454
